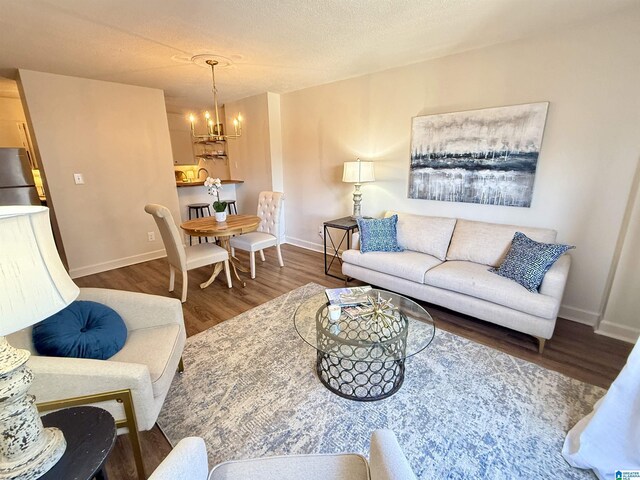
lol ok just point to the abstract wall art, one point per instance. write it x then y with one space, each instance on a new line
484 156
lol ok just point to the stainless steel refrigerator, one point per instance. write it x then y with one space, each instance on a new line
16 180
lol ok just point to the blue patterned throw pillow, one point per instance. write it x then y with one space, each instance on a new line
528 261
379 235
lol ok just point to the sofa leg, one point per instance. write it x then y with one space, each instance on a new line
541 342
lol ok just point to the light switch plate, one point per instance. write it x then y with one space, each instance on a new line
78 178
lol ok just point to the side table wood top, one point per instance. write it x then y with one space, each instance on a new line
90 433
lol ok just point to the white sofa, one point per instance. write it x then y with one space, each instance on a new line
446 262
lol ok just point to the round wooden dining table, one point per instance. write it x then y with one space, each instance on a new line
234 225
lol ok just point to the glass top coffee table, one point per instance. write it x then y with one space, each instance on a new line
361 356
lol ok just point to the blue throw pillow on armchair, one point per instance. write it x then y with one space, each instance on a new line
82 330
528 261
379 234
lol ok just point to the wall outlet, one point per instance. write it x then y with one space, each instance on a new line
151 236
321 230
78 178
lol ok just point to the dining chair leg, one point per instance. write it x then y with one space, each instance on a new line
233 252
172 277
252 262
262 255
280 261
227 272
185 283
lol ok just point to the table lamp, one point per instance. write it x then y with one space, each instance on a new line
357 172
34 285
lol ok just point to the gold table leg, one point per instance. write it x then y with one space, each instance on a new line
216 270
233 261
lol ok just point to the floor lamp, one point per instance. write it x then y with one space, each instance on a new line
33 286
357 172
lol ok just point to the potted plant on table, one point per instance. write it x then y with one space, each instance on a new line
213 187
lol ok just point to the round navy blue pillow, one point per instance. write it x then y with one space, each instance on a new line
82 330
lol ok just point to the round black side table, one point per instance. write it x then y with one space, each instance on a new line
90 433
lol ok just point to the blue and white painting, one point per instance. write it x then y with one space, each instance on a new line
484 156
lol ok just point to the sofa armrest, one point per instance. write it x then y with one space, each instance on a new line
386 459
355 241
556 278
187 461
138 310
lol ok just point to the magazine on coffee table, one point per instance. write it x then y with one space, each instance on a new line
348 296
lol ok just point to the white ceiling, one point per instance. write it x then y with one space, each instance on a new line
275 45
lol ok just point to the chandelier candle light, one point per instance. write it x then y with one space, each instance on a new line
357 172
214 129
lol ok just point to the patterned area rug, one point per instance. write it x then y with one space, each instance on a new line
464 411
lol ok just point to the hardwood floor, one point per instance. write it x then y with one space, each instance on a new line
575 350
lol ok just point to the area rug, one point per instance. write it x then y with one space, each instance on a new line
465 410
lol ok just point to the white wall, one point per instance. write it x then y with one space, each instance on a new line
117 137
621 317
590 76
250 156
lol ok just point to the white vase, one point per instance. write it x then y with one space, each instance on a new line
221 216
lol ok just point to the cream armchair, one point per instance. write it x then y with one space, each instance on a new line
145 366
188 461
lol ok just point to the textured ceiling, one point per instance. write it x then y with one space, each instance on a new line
276 46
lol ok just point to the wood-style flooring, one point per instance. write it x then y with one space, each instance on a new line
575 350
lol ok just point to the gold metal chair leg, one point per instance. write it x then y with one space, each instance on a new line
541 342
181 366
120 396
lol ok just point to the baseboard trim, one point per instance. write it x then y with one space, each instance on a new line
118 263
298 242
620 332
579 315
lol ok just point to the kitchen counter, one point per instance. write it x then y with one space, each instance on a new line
200 184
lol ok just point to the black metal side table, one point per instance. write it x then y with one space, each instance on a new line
348 225
90 433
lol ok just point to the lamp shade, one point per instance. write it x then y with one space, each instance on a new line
358 172
33 280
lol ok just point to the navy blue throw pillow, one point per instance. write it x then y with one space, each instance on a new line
82 330
379 235
528 261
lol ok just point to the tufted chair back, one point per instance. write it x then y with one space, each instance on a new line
170 235
270 211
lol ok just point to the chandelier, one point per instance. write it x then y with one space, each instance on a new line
215 131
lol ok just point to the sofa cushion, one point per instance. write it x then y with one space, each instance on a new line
408 264
378 234
528 261
424 234
488 243
476 280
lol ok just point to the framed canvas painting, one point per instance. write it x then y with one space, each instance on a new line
486 156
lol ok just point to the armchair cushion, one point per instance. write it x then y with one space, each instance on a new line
82 330
310 467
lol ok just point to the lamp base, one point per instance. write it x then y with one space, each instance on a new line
357 198
39 462
27 450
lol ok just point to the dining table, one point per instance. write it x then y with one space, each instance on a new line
223 231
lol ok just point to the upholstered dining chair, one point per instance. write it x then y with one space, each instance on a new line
188 461
185 258
268 232
133 384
